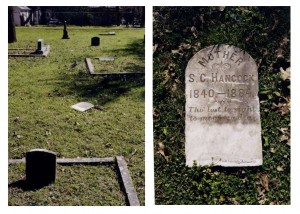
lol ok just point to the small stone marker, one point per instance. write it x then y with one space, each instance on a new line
95 41
65 33
40 167
82 106
222 123
40 45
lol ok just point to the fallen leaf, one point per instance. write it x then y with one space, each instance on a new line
283 138
176 52
134 152
155 47
194 32
17 119
221 8
283 130
285 41
275 24
285 74
264 181
162 151
279 169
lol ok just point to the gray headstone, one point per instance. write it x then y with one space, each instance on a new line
95 41
40 167
222 124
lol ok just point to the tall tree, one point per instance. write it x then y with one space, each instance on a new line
11 25
143 17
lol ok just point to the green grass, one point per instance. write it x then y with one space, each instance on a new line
253 29
121 64
42 90
98 186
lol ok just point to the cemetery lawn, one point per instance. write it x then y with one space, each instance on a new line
179 33
41 93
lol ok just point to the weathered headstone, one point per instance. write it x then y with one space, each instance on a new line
95 41
222 124
65 33
40 167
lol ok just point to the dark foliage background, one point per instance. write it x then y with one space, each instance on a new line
180 32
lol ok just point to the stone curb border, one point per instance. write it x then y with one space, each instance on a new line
91 69
44 54
119 161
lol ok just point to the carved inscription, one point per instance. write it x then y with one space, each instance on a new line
222 108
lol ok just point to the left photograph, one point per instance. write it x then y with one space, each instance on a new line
76 106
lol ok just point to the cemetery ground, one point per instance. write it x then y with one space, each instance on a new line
41 93
179 33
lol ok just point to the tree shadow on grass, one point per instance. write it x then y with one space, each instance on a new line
136 48
25 185
105 88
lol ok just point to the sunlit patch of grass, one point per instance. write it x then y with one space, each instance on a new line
42 90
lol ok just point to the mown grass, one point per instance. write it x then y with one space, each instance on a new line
42 91
179 33
119 65
68 189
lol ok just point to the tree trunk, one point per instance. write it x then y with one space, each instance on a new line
11 25
118 16
143 17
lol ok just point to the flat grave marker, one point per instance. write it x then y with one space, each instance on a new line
222 122
108 33
82 106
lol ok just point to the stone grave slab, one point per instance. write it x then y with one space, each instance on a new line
108 33
222 121
107 62
82 106
106 58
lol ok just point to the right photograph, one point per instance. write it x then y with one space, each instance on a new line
221 105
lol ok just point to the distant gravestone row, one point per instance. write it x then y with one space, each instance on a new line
222 123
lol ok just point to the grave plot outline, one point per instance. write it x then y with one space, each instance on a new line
41 51
91 67
222 119
122 172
